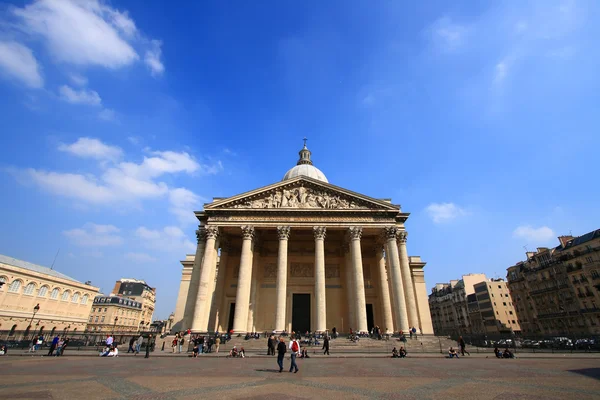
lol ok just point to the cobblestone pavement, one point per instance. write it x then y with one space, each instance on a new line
92 378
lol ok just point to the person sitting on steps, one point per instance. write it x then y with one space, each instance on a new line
452 353
402 352
395 353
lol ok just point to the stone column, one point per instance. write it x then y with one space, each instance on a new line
399 300
409 289
216 313
350 295
321 307
360 306
200 321
253 289
242 298
190 303
384 292
284 234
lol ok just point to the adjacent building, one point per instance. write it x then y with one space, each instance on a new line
138 290
556 290
115 314
491 309
302 255
64 303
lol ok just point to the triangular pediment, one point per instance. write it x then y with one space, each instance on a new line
301 193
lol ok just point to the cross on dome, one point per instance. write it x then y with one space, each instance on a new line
305 167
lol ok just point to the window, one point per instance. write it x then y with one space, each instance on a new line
65 295
84 299
105 309
96 318
15 286
91 318
499 286
2 279
510 312
75 298
102 320
513 321
594 274
29 289
54 293
504 303
43 291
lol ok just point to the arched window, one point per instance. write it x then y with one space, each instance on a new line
54 293
29 289
65 295
15 286
75 298
43 291
2 279
84 299
12 330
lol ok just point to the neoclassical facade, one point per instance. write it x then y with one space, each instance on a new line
302 254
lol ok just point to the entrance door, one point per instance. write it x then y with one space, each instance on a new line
231 315
300 312
370 320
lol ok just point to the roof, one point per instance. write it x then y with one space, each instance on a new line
34 267
583 238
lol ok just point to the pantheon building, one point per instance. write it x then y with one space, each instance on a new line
302 255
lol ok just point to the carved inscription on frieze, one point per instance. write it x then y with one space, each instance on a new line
270 270
301 197
291 219
332 271
301 270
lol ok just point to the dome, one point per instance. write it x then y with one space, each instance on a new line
305 170
305 167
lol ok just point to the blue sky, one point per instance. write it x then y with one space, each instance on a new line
121 118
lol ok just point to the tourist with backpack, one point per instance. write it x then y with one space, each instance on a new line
295 348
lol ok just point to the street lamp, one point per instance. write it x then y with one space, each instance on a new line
35 310
115 324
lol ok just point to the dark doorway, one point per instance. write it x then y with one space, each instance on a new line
231 315
370 320
301 312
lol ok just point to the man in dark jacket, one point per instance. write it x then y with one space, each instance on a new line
53 345
131 343
326 345
281 349
148 346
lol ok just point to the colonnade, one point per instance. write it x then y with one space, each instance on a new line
397 294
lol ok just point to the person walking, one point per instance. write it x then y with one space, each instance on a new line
53 345
138 344
217 343
281 349
326 345
461 344
131 344
109 340
148 346
181 342
295 348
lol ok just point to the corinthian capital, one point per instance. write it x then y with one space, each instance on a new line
355 232
248 232
391 232
200 233
283 232
212 232
319 232
402 236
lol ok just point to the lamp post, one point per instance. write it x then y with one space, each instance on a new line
35 310
115 324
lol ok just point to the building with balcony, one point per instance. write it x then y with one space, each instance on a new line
138 290
494 312
115 314
555 290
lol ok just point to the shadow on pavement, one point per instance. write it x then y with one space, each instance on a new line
589 372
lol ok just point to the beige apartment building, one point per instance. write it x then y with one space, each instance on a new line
556 290
115 314
64 303
449 307
140 291
493 312
302 255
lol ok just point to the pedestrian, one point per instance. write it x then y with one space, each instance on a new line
295 348
414 331
217 344
64 346
131 344
148 346
181 342
59 347
281 349
138 344
461 344
53 345
174 343
410 331
326 345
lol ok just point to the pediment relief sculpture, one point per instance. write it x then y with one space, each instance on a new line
301 197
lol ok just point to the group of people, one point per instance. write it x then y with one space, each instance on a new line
503 354
36 343
135 344
252 335
58 346
399 353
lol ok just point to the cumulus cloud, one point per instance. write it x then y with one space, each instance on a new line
94 235
183 203
78 80
170 239
140 257
17 61
83 96
444 212
92 148
152 58
537 235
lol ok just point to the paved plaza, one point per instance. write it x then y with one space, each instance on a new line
319 378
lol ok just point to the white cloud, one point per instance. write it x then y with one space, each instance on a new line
122 22
107 115
537 235
444 212
447 35
152 58
17 61
83 96
94 235
169 239
78 80
140 257
92 148
76 186
183 204
80 32
500 72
